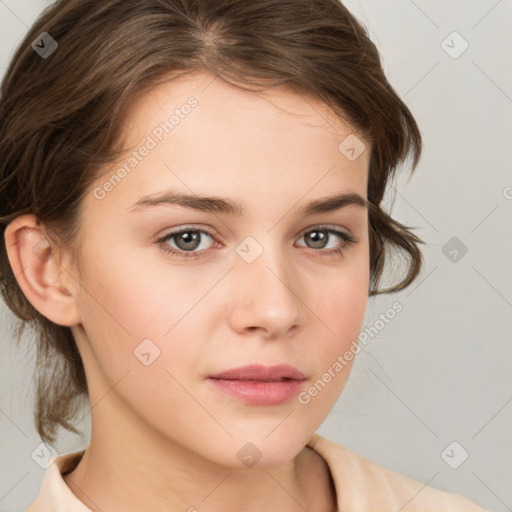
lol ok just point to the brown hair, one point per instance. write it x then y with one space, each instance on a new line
61 121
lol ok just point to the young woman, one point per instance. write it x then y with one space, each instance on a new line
191 199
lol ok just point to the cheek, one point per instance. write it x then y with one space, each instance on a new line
340 305
140 318
125 315
334 352
341 299
342 313
135 298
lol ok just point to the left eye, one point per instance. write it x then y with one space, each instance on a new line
187 242
319 236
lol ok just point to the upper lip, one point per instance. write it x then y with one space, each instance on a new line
261 373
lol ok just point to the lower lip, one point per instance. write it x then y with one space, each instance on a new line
259 392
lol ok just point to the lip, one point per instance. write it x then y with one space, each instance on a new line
259 384
261 372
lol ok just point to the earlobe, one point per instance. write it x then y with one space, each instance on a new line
38 269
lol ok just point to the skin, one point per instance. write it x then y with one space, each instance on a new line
162 437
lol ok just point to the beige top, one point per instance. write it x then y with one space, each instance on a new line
361 486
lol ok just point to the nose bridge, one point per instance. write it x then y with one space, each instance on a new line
267 284
265 259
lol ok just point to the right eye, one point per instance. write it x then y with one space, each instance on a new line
186 241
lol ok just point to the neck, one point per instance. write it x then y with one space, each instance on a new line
137 470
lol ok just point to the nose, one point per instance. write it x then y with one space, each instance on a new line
266 298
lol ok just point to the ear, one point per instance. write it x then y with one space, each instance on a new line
41 271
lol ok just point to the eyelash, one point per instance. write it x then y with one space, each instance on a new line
348 240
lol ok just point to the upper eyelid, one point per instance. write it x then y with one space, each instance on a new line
185 227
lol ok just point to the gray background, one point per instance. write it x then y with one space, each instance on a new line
440 371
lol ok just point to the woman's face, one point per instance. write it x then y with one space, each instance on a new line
265 285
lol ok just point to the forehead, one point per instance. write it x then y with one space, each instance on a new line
209 136
222 110
212 91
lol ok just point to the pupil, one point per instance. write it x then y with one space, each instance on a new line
317 237
188 238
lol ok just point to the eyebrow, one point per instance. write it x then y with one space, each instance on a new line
216 204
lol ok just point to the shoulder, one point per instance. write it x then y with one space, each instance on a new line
54 494
364 486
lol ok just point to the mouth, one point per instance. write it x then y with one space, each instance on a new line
257 372
260 385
